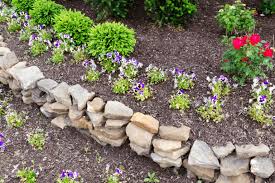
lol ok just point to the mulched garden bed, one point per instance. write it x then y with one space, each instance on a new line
195 48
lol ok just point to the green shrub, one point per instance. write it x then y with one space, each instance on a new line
27 175
23 5
109 37
236 18
43 11
121 86
106 8
170 11
7 2
267 6
74 23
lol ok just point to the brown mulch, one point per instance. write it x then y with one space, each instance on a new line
196 48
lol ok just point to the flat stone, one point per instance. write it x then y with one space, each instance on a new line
115 124
223 151
146 122
202 173
174 133
262 167
45 112
27 100
28 77
103 140
60 122
46 85
97 119
3 51
59 108
12 71
81 123
166 162
80 96
8 60
3 44
166 145
243 178
74 113
50 99
234 166
139 136
61 95
1 38
174 154
26 93
14 85
140 150
202 155
117 110
96 105
114 134
248 151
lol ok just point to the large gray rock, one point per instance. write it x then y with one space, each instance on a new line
39 97
174 133
74 113
97 119
234 166
80 96
223 151
61 95
166 145
250 150
3 51
166 162
46 85
27 77
202 155
202 173
8 60
60 122
115 124
140 150
262 167
243 178
96 105
117 110
139 136
174 154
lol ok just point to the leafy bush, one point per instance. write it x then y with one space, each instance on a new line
129 68
236 18
74 23
109 37
267 6
110 61
155 75
37 139
247 58
151 178
106 8
23 5
170 11
141 91
183 80
15 119
7 2
180 101
43 11
27 175
91 74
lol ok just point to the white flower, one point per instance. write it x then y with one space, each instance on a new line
208 79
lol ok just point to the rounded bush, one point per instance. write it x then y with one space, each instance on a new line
74 23
106 8
23 5
109 37
43 11
170 11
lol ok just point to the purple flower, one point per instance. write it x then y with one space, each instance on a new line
14 15
181 91
118 171
27 17
109 55
2 143
2 135
69 174
223 78
262 99
40 27
57 43
26 24
66 36
214 99
266 82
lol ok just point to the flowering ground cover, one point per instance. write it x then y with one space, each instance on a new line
196 49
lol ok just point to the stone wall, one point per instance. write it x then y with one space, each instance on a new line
111 122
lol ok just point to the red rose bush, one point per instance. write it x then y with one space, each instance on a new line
248 57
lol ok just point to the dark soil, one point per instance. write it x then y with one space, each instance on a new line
196 48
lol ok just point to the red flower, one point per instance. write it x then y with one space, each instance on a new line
226 60
245 59
244 39
268 53
237 43
255 39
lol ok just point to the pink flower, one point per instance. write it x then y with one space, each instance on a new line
237 43
255 39
268 53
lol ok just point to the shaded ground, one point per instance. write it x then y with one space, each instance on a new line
196 48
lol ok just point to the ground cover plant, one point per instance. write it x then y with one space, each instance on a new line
23 5
267 7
